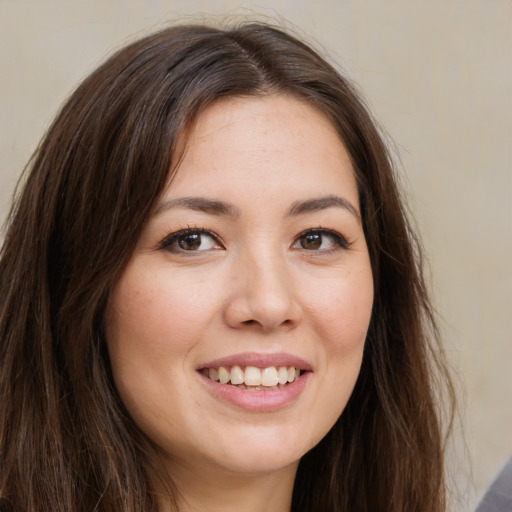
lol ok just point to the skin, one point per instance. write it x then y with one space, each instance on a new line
254 285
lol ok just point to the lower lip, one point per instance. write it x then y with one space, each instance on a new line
258 401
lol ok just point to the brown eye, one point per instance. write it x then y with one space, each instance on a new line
190 240
320 240
312 241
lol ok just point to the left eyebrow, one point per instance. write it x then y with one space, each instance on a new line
322 203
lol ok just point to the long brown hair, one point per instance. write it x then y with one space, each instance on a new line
66 441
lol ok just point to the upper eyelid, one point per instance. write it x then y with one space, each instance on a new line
171 237
322 230
340 238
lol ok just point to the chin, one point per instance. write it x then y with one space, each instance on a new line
260 451
254 462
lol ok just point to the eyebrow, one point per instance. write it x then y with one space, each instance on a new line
200 204
322 203
220 208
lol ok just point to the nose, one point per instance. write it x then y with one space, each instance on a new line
264 295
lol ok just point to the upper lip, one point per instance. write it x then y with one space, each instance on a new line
259 360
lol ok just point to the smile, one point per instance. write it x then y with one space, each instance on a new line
252 377
256 382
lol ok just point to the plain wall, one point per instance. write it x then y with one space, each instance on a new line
437 75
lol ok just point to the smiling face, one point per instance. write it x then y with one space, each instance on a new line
253 268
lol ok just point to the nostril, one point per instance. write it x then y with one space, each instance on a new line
252 323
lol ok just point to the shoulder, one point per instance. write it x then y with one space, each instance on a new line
498 497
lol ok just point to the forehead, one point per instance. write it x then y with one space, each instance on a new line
274 142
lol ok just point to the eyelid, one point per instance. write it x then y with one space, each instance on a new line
175 235
340 240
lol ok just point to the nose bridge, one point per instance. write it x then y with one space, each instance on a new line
265 293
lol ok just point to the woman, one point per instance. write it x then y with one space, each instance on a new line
211 296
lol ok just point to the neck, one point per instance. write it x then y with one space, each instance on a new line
216 491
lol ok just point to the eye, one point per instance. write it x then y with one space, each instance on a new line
191 240
320 240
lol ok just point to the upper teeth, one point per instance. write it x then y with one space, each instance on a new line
253 376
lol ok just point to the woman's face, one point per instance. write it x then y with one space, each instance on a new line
253 267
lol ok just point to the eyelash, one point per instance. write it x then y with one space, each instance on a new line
174 237
339 240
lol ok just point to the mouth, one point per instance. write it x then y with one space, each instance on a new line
253 378
256 382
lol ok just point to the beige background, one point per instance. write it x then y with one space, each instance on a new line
438 75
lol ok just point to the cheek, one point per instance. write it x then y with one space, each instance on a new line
156 315
152 325
341 314
341 310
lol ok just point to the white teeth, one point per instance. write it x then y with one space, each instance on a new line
282 375
223 375
254 378
237 375
269 377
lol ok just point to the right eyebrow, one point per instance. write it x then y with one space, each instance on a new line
200 204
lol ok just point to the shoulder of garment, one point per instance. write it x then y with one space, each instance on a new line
498 497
